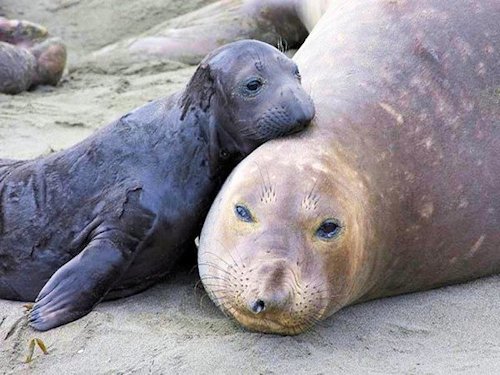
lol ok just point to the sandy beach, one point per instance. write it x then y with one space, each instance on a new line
174 328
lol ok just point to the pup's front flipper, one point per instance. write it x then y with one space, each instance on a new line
81 283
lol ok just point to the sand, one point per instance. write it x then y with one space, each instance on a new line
174 328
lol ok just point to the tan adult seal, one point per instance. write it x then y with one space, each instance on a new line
395 187
191 36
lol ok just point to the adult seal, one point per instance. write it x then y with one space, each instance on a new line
109 216
191 36
394 187
29 56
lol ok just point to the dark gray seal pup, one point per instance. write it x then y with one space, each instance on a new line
109 216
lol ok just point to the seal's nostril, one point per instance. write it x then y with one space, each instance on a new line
258 306
305 116
302 123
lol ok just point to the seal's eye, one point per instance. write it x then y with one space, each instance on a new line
329 229
254 85
243 213
297 73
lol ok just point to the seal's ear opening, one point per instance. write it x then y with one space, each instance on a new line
199 90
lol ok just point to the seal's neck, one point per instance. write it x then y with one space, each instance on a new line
222 148
207 107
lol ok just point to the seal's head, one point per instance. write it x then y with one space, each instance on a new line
51 60
21 33
280 253
253 93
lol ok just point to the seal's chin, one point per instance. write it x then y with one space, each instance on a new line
265 324
267 294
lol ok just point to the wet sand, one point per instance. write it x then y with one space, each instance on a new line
173 327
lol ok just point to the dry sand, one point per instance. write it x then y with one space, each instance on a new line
172 328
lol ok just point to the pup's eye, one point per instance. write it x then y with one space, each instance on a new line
328 229
243 213
297 73
254 85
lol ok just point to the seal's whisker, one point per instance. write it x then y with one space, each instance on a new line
319 322
225 308
204 278
224 295
213 285
217 267
198 286
219 292
325 292
220 258
228 271
230 277
201 301
230 253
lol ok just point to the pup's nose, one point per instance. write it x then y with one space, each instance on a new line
303 110
308 112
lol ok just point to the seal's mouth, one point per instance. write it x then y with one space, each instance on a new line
272 127
275 123
285 321
269 296
287 327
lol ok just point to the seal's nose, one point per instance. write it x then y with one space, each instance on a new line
258 306
303 110
270 301
272 293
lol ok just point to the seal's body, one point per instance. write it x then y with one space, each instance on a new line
395 186
17 67
112 213
191 36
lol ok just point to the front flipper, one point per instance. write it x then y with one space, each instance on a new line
81 283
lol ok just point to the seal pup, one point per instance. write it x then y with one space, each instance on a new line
394 188
109 216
